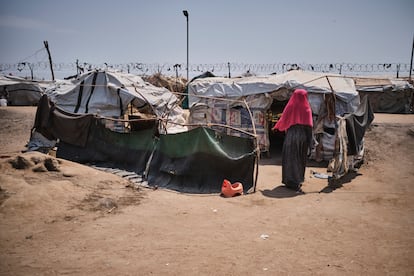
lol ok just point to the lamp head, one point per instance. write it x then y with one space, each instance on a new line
185 12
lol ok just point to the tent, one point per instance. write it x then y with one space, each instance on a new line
225 100
195 161
111 94
19 91
76 114
253 104
387 95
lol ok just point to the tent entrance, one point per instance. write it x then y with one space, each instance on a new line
275 138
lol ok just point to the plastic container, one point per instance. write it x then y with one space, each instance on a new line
230 190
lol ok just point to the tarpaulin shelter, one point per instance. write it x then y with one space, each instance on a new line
206 74
386 95
110 94
21 92
245 103
75 113
225 100
194 161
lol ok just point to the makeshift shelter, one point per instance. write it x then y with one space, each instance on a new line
19 91
111 94
165 154
386 95
254 104
206 74
231 101
194 161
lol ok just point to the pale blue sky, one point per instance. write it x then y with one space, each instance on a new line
255 31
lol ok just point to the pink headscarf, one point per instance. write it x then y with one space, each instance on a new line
296 112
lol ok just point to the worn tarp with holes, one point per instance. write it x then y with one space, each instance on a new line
197 161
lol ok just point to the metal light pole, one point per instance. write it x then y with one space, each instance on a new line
411 63
185 12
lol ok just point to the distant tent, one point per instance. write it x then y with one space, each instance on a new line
19 91
387 95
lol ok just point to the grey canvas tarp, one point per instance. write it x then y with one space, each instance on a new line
349 146
356 125
53 123
387 95
21 92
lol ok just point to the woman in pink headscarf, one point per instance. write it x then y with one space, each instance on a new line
297 122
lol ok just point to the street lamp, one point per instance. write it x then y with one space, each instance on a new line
185 12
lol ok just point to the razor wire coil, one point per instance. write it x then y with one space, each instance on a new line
151 68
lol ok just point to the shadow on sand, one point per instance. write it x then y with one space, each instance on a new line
281 192
334 184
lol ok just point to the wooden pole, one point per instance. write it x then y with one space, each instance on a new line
50 58
31 69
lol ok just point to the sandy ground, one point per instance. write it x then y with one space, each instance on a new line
80 221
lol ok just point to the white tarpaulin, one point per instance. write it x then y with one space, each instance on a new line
344 88
220 100
109 94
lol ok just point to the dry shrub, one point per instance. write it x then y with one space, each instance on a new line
171 83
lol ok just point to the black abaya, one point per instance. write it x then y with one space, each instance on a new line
294 155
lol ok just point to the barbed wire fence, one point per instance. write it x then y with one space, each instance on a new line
41 69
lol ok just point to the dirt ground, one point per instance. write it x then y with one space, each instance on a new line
62 218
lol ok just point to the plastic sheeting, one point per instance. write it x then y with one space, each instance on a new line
387 95
109 94
20 92
195 161
344 88
199 160
233 112
213 100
